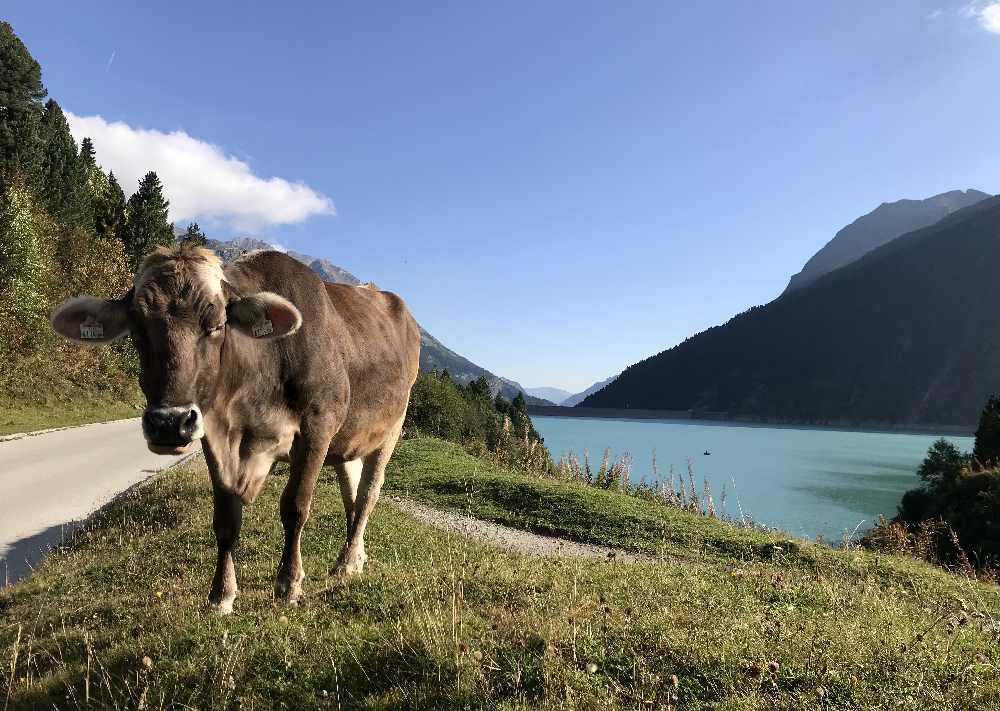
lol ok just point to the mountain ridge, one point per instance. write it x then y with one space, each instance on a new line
577 398
885 223
905 334
434 355
554 395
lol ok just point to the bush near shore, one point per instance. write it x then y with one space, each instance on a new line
953 517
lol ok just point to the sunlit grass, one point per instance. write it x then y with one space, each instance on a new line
730 619
15 419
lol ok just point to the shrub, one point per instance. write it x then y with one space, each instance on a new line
953 517
471 415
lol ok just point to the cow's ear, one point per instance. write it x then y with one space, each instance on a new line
86 319
264 316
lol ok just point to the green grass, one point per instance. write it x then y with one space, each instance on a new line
65 386
439 621
20 418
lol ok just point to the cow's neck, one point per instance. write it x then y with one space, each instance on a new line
242 439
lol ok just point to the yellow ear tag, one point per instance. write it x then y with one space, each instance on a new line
91 329
263 328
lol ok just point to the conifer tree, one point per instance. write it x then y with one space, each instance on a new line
109 210
62 184
21 96
193 235
87 154
986 450
146 224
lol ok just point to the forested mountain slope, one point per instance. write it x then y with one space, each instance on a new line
910 333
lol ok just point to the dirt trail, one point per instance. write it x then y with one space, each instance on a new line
499 536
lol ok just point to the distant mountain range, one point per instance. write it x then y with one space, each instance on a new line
433 353
564 397
880 226
556 395
907 333
579 397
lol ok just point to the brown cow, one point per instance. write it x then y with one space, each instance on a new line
262 361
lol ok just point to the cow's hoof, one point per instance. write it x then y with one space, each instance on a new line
288 591
349 566
221 608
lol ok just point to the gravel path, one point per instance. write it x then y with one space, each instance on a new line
496 535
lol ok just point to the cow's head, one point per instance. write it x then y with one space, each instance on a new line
178 314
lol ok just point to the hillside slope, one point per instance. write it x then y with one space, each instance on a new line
726 618
433 353
880 226
907 334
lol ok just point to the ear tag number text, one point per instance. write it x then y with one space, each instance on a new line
91 329
263 328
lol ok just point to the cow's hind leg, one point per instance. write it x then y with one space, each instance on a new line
348 476
296 500
352 557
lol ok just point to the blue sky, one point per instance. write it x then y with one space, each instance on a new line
558 189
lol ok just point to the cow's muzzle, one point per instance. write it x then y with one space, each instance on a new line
171 430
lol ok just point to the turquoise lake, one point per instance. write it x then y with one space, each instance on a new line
807 482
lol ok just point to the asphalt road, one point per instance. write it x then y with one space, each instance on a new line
50 482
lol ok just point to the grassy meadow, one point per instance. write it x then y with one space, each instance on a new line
729 618
61 388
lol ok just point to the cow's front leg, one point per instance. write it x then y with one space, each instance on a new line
296 500
226 521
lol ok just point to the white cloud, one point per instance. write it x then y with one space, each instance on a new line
934 14
986 13
970 9
989 17
200 179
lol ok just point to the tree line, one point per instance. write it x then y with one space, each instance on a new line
470 415
66 227
953 516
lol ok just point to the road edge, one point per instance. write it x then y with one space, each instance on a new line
36 433
74 527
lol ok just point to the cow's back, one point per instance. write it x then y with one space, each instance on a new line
356 355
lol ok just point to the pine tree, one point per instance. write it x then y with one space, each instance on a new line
194 235
63 181
986 451
480 388
942 466
21 96
109 210
146 224
87 154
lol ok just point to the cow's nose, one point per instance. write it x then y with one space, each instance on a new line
172 426
191 424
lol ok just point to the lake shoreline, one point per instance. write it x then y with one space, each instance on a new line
682 417
808 481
